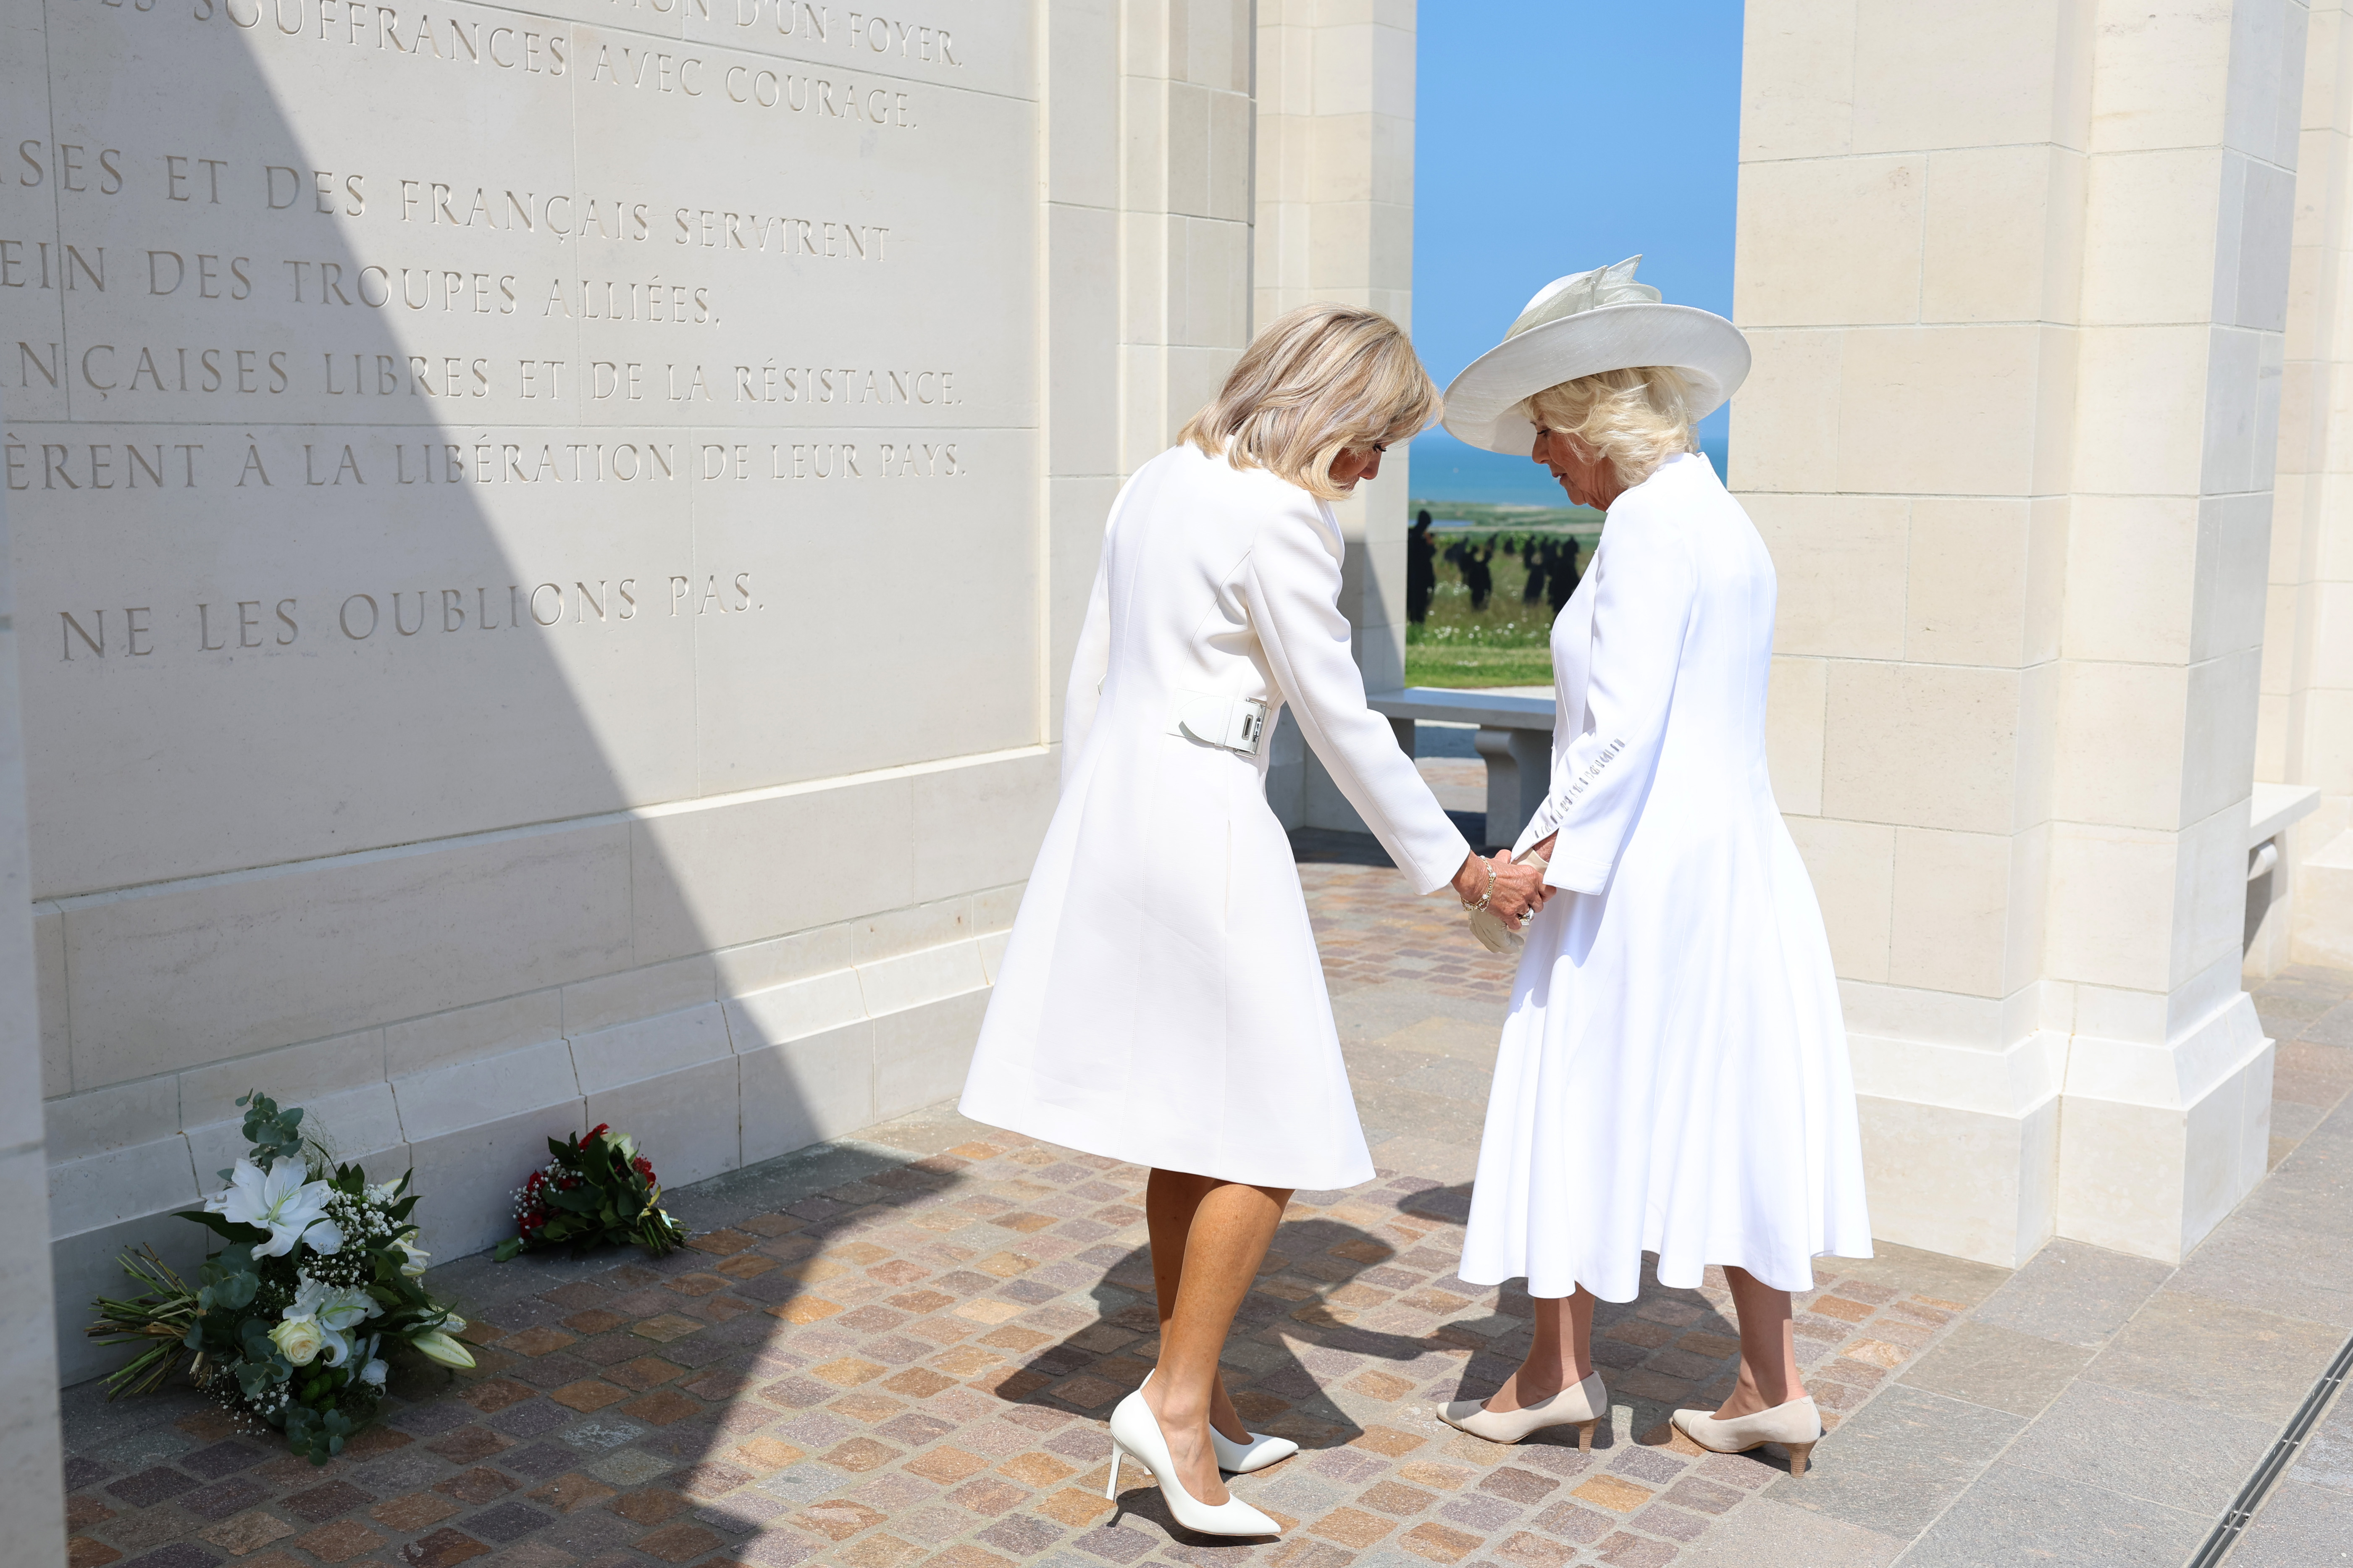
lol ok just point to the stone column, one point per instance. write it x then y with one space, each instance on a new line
2015 276
32 1483
1334 210
2305 734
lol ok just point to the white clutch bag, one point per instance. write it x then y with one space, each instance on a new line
1497 934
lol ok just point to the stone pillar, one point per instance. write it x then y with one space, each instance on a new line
32 1482
1334 210
2016 277
2305 734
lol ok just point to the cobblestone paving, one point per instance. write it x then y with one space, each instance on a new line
915 1367
901 1349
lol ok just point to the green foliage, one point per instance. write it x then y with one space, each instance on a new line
274 1134
597 1190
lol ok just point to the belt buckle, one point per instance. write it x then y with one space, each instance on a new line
1219 719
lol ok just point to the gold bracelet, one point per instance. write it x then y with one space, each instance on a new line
1489 893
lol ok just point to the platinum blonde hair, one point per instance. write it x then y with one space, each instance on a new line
1319 381
1635 419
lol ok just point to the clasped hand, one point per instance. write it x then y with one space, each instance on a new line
1520 890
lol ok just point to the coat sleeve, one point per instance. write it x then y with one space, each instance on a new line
1642 596
1290 585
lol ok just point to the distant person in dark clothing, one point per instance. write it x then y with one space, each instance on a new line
1420 568
1563 575
1533 551
1479 576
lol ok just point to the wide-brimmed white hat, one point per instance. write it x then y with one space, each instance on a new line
1582 325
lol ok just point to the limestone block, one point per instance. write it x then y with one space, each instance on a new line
115 1117
918 979
2242 429
815 1005
1852 865
2163 76
2324 913
1796 73
921 1054
2003 235
1977 385
1785 424
2112 905
2252 272
687 1120
189 973
2211 893
448 1099
2219 732
1865 214
2122 730
1950 910
1966 76
463 1034
707 878
298 1074
1083 293
2150 231
1793 733
2151 1159
106 1188
600 1003
800 1091
2266 77
1930 745
2141 415
1081 54
1840 564
980 825
468 1178
1966 581
1970 1184
2131 578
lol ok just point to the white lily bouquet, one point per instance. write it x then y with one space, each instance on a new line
286 1323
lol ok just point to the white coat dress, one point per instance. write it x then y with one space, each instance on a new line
1673 1074
1160 1001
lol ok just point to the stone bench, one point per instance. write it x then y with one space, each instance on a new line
1515 737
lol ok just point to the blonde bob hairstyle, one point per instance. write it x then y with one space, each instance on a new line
1635 419
1317 382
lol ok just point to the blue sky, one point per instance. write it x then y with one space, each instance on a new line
1551 136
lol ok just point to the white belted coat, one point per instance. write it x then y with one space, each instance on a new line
1161 1001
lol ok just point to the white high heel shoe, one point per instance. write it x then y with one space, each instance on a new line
1797 1425
1256 1452
1135 1434
1582 1407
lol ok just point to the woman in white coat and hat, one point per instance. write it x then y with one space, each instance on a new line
1161 1001
1673 1076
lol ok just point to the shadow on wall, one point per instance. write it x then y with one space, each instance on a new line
446 710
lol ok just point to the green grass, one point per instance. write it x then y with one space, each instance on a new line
1507 643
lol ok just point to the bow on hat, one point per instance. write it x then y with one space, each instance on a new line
1611 285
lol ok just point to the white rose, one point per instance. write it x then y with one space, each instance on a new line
299 1339
372 1372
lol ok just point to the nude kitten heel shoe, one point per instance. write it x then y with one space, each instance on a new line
1582 1407
1795 1425
1135 1434
1255 1452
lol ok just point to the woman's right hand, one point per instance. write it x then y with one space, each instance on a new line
1520 890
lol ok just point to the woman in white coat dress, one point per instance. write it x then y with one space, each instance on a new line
1160 1001
1674 1075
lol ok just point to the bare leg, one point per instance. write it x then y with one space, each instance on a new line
1768 1351
1224 1241
1170 1199
1561 1357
